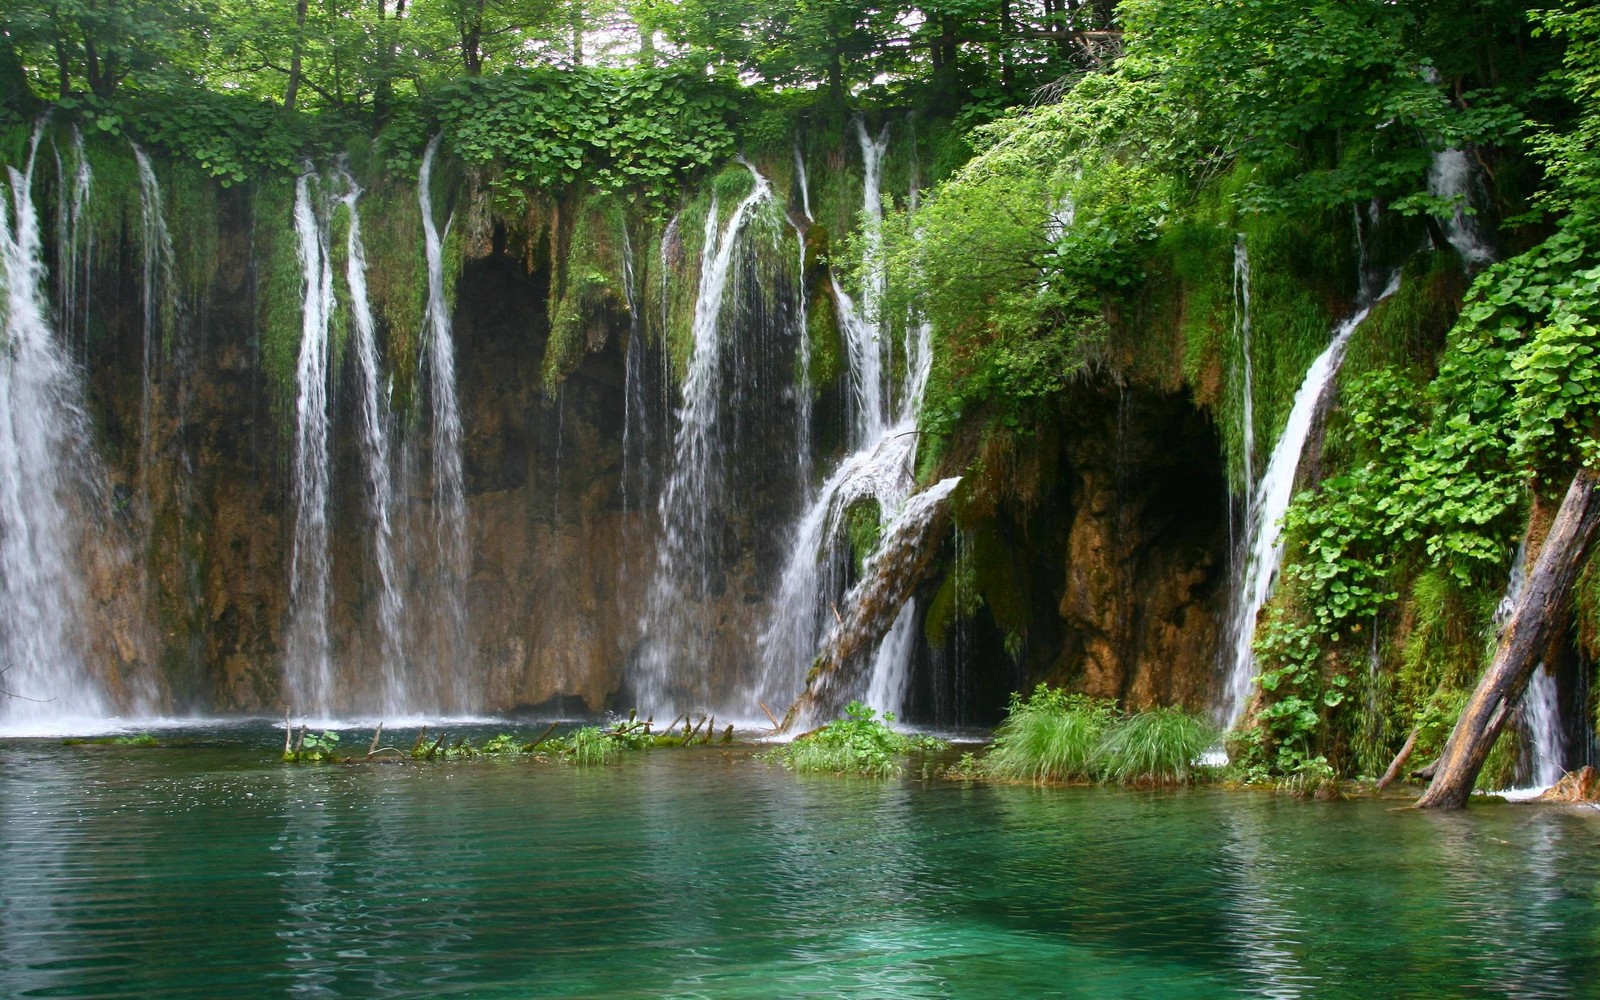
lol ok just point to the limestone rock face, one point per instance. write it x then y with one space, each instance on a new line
1108 577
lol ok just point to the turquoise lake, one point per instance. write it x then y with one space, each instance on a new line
213 870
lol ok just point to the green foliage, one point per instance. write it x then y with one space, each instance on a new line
591 745
860 743
1055 736
643 130
311 748
1050 736
1156 747
863 526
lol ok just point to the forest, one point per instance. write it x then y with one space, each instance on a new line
1068 229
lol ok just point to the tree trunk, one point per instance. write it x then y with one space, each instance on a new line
291 90
1008 73
1537 619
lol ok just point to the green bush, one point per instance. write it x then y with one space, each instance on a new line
860 743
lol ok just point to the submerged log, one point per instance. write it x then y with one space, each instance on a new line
1522 646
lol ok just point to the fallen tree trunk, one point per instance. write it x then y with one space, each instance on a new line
1522 646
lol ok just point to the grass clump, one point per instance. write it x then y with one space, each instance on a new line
860 743
1055 736
1156 747
1049 736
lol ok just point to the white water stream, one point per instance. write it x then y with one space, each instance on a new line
449 488
309 667
1267 506
46 469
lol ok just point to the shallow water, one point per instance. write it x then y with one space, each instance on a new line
211 869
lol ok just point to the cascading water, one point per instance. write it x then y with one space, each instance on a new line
309 666
375 421
1540 709
1247 406
1267 507
46 470
688 505
449 489
156 285
74 244
1450 179
879 605
880 470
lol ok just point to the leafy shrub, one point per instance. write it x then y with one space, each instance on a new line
860 743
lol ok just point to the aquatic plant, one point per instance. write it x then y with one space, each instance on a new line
860 743
1050 736
1156 747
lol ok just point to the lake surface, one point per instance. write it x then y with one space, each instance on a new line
213 870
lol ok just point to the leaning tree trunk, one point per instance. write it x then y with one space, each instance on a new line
1522 645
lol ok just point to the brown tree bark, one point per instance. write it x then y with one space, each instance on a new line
1538 618
291 90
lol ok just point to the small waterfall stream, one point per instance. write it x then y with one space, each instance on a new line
309 666
689 504
449 487
46 473
156 286
1540 709
1450 178
375 419
1267 506
881 469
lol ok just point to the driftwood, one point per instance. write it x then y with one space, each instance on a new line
770 717
373 748
531 747
422 735
1399 761
1539 617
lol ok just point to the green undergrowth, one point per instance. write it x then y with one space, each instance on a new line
861 743
585 745
1054 736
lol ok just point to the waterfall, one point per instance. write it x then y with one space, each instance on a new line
1247 412
635 445
861 323
881 469
1540 709
74 245
879 610
690 507
1267 506
156 287
1450 179
375 452
45 469
449 491
802 181
309 668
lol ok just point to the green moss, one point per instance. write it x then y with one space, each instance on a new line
588 292
279 291
1410 326
397 278
863 525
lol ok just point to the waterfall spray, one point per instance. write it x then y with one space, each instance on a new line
375 452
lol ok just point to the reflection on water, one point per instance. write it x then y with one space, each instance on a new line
213 870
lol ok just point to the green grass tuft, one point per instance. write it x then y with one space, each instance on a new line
1156 747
